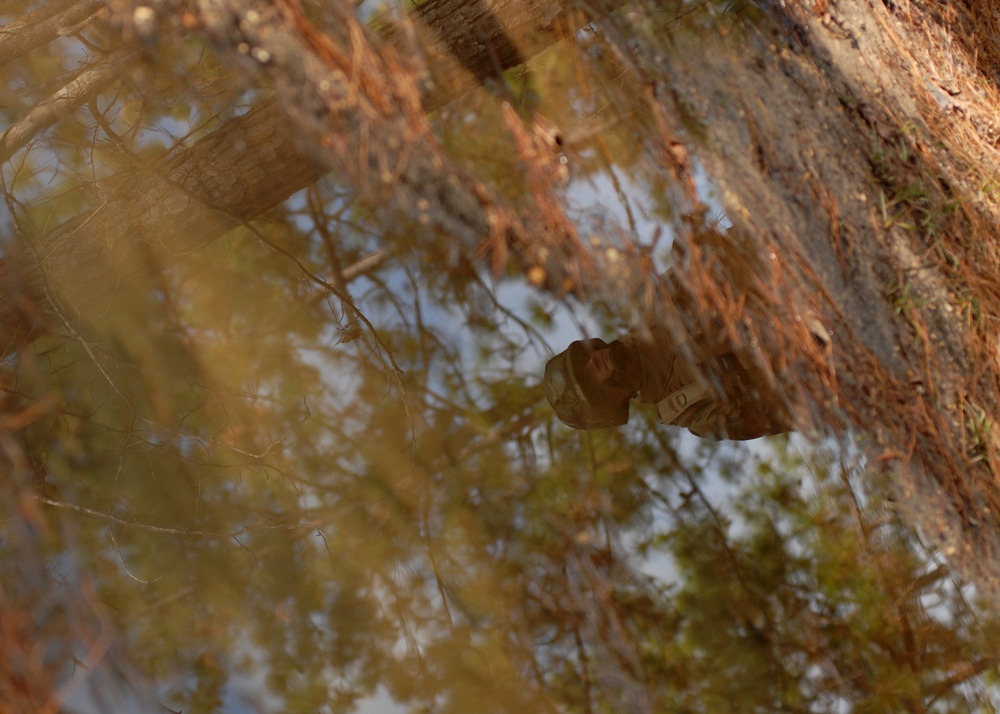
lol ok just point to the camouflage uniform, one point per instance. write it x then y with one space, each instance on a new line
685 399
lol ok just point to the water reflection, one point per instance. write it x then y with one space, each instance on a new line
287 476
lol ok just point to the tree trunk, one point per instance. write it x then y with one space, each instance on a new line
253 163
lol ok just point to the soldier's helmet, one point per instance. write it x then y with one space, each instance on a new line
575 401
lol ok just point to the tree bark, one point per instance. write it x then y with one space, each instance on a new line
253 163
87 83
38 28
177 206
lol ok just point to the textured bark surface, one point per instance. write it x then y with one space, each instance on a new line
148 220
89 82
43 25
255 162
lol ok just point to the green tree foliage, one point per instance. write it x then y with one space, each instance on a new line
309 461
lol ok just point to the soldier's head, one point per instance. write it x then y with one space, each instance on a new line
586 385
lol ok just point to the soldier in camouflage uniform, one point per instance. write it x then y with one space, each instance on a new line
591 384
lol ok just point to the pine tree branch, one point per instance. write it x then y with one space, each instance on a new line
53 19
88 82
332 113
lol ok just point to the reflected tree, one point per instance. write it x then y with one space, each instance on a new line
279 279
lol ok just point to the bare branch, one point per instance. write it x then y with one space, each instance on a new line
91 80
366 264
91 513
53 19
